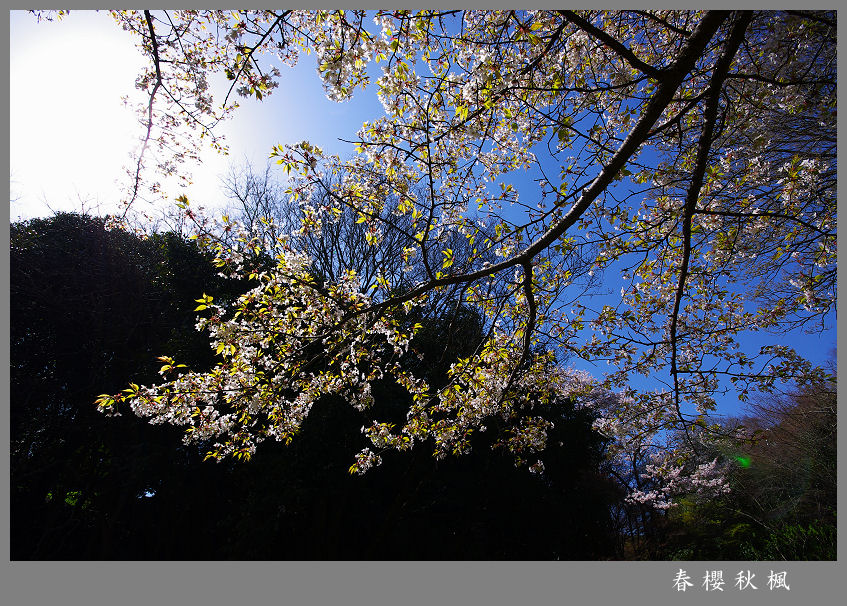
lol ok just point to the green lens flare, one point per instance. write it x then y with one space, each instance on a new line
743 461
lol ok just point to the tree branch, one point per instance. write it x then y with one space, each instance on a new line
703 147
616 45
146 141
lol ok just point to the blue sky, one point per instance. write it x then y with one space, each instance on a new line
70 137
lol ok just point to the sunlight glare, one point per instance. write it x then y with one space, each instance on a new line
70 134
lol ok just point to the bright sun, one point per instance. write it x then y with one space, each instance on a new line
70 136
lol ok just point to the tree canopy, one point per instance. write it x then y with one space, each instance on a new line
688 156
91 307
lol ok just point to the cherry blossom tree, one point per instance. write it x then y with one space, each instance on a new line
689 154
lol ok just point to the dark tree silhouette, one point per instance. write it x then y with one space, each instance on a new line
91 307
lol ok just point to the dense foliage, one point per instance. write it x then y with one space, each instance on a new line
782 503
92 306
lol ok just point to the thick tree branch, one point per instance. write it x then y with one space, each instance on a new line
616 45
533 310
671 79
704 145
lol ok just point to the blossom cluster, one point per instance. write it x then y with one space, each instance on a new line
727 227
